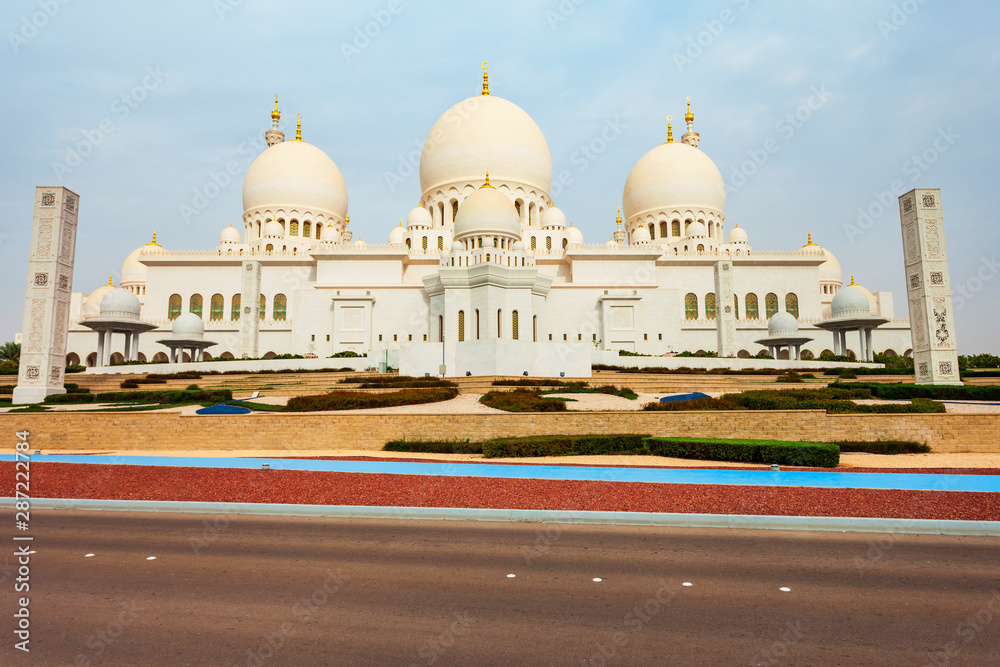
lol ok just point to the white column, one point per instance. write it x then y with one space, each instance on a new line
100 349
128 346
108 340
135 347
863 351
868 339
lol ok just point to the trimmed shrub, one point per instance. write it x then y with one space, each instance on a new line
183 375
162 397
352 400
346 354
434 446
396 381
130 384
564 445
75 368
522 400
693 404
6 389
899 391
192 387
883 447
72 388
69 398
812 454
532 382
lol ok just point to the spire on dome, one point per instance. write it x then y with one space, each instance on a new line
691 138
810 243
618 221
298 130
852 280
110 284
487 183
486 79
274 136
670 130
153 242
689 117
276 115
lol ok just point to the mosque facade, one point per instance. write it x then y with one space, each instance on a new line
486 259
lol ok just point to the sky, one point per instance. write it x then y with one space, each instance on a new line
818 116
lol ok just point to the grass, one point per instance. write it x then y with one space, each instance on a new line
608 389
352 400
522 400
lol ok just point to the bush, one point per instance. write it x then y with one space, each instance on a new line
130 384
522 400
183 375
8 367
75 389
75 368
416 383
69 398
833 399
627 353
162 397
434 446
352 400
193 387
883 447
609 389
531 382
346 354
6 389
564 445
693 404
840 358
941 392
790 376
812 454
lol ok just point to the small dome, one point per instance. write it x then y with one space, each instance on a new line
850 302
273 228
456 246
120 304
396 235
92 306
295 174
134 271
640 235
553 217
188 325
230 235
518 246
697 228
359 245
782 324
574 235
611 244
737 235
487 211
419 217
830 271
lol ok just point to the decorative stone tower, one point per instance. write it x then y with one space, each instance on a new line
47 299
274 136
691 138
725 315
620 236
250 305
928 288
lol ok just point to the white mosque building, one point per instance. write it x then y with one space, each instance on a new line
486 262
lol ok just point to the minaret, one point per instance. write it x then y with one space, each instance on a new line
691 138
273 136
619 236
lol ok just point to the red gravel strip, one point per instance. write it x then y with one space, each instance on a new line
127 482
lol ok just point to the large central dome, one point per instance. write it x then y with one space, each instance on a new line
295 174
674 176
485 133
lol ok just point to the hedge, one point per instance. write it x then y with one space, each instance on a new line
835 399
883 447
434 446
522 400
397 381
568 445
352 400
162 397
811 454
971 392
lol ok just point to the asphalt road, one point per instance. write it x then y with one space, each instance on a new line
226 591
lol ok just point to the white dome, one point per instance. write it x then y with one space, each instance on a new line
396 235
273 228
830 271
359 245
518 246
457 246
697 228
574 235
611 244
92 306
737 235
295 174
120 304
640 235
485 133
230 235
674 176
487 211
553 217
134 271
419 217
188 325
850 302
782 324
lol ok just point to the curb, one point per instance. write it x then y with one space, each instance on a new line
739 521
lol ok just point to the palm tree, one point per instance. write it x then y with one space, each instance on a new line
10 352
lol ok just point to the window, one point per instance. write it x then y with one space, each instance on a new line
425 338
306 229
595 337
499 323
645 336
533 244
313 338
487 257
410 338
660 336
395 338
280 307
269 248
701 248
534 329
380 338
496 243
480 242
293 228
423 243
565 243
454 209
218 306
565 337
408 244
770 304
792 304
548 243
513 325
550 336
477 324
675 228
195 304
517 207
691 306
652 231
263 306
710 305
663 229
440 243
736 307
461 326
319 229
751 302
234 312
328 338
174 307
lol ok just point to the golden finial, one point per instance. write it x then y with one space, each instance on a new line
110 284
276 115
487 183
347 220
810 243
852 280
619 219
670 130
689 117
298 130
153 242
486 79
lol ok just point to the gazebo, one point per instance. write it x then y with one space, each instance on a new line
188 334
851 311
119 314
782 332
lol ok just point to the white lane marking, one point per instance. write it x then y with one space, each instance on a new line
88 555
511 576
598 579
151 558
785 589
687 583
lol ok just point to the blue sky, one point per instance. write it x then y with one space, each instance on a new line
854 100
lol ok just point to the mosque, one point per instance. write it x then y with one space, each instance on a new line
486 263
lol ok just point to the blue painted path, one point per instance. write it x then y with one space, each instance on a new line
835 480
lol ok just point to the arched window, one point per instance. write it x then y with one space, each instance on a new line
269 249
736 307
263 306
307 229
548 243
534 328
293 228
663 229
487 257
652 231
675 228
218 306
701 248
234 312
565 243
500 323
174 307
752 312
408 245
280 307
513 325
533 243
691 306
480 242
496 242
770 304
517 207
710 305
477 324
319 230
440 243
792 304
423 243
461 326
454 209
194 305
440 328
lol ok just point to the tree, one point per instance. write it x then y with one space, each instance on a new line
10 352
